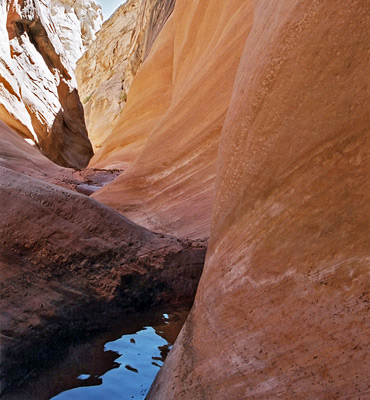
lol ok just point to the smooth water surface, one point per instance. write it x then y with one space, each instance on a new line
137 363
120 364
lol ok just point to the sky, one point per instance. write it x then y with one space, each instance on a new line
109 6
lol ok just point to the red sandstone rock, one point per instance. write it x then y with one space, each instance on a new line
16 154
169 129
282 309
68 263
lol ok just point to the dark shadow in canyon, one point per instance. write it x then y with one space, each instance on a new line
71 266
85 362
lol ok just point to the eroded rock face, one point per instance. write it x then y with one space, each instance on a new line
282 307
68 264
76 23
169 129
38 96
105 72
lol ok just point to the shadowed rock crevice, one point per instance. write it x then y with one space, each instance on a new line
162 9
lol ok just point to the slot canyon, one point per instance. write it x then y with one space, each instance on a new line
191 177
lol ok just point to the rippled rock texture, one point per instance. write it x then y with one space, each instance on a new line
105 72
38 95
282 309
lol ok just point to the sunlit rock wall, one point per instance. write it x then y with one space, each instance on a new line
169 129
105 72
282 309
76 23
38 96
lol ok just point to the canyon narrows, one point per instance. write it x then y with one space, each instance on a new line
69 265
245 123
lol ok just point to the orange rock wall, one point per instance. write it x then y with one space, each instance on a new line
105 72
282 308
169 130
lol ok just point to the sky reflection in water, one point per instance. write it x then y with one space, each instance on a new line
143 352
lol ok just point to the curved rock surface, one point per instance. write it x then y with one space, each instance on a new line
38 96
18 155
65 259
282 309
105 72
170 127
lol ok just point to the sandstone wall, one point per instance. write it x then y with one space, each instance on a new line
170 127
16 154
76 23
282 307
105 72
38 96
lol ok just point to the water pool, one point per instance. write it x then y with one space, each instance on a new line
119 364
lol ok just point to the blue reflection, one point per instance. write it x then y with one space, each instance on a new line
133 382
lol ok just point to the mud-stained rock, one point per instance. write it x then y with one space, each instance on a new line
68 264
282 309
38 96
105 72
169 129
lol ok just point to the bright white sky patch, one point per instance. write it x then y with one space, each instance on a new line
109 6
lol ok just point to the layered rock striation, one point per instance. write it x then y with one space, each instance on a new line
169 129
105 72
282 307
38 95
258 109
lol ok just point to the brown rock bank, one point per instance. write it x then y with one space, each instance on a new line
68 264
